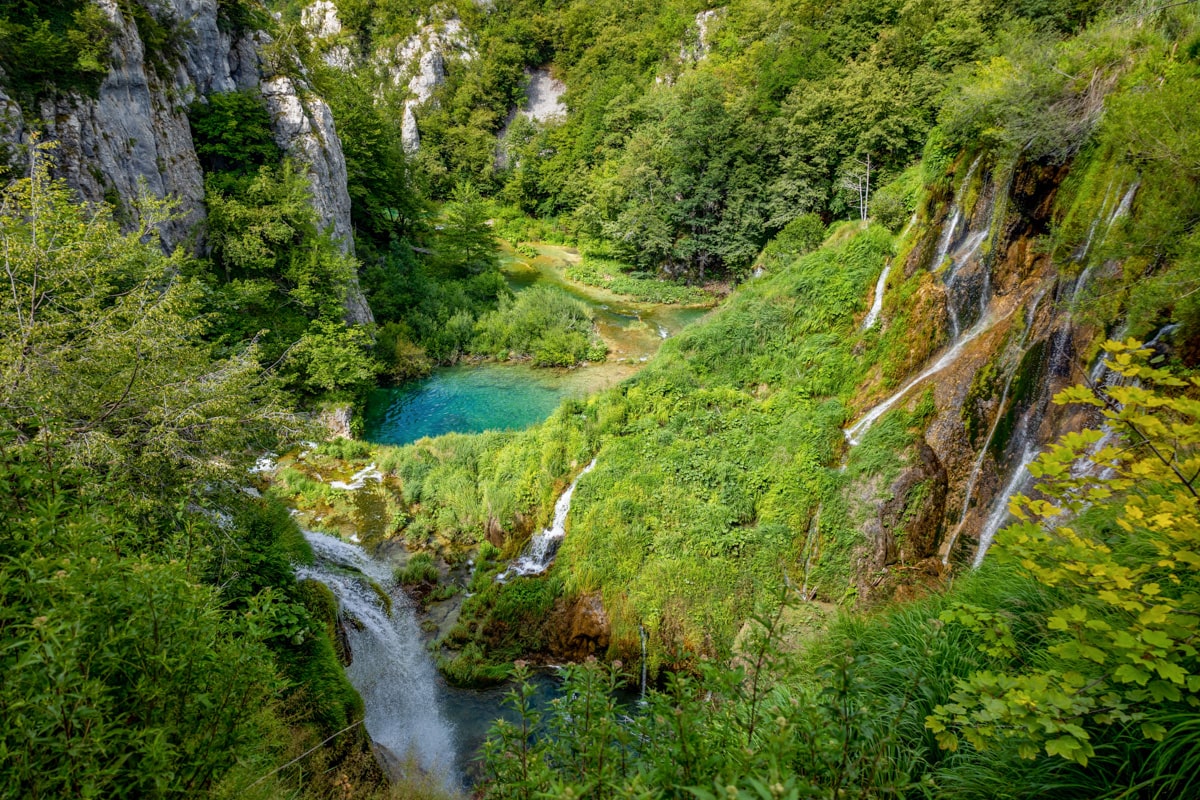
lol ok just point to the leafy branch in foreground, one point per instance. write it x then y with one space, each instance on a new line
1121 646
101 351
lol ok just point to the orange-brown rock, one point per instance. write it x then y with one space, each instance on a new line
578 628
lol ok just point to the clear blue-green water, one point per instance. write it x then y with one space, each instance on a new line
467 399
472 398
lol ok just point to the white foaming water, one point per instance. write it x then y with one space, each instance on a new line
951 228
977 468
1000 514
390 667
264 464
539 555
1083 251
359 479
855 431
877 304
1125 205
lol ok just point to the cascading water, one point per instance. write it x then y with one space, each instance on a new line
977 467
539 555
956 213
390 667
877 303
965 298
1124 207
854 432
1025 443
999 513
1086 248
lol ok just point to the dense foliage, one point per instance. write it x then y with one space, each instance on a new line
695 136
152 634
155 641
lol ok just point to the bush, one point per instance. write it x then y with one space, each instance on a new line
419 569
542 323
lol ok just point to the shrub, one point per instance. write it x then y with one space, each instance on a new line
419 569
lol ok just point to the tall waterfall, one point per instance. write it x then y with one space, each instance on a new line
977 467
967 283
1025 444
542 548
390 668
877 303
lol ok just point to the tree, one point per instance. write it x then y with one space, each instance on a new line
1121 646
101 350
466 245
858 181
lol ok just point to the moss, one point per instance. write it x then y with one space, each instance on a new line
1020 394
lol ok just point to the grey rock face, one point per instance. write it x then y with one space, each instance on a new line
543 96
325 28
134 137
421 62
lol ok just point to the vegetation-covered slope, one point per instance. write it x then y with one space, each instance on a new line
1059 139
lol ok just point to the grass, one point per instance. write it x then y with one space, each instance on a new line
614 276
419 569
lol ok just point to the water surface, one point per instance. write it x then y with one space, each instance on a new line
471 398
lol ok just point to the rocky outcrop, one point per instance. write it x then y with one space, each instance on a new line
543 105
336 421
697 49
420 63
325 29
577 629
133 137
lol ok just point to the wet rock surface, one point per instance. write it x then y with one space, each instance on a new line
578 628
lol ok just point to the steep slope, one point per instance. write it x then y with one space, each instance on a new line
134 131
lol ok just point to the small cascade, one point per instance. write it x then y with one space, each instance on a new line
977 467
390 668
539 555
877 303
1125 205
359 479
642 631
1086 247
854 433
999 513
1025 441
956 213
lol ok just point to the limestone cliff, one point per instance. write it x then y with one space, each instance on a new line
133 136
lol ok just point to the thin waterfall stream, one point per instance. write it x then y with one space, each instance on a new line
977 467
855 432
877 303
539 555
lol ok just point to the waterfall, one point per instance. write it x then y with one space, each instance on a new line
642 631
1125 205
956 212
1025 436
390 667
854 433
877 303
977 467
999 514
539 555
1083 251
